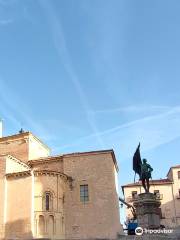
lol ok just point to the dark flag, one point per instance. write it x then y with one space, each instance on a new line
137 162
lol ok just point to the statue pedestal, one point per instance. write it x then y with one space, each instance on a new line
147 211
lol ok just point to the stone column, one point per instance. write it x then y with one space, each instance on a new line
147 211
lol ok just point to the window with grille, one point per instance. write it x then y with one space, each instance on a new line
84 193
178 174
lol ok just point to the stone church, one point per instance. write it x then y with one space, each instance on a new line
69 196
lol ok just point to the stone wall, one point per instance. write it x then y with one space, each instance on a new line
19 212
36 148
49 165
99 217
16 146
23 146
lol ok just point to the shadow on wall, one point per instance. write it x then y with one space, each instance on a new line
171 213
18 229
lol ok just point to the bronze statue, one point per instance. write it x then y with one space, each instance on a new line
146 170
142 168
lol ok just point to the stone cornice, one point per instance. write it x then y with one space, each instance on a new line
18 174
76 154
39 173
18 161
45 160
14 137
51 173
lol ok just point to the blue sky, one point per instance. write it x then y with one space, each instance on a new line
88 75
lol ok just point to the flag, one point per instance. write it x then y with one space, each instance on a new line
137 161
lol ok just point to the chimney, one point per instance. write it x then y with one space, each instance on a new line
1 127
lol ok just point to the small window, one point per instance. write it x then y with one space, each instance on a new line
158 195
84 193
134 194
178 174
179 193
47 201
156 192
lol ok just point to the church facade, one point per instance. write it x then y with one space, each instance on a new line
69 196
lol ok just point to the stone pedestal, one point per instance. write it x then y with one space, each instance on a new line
147 211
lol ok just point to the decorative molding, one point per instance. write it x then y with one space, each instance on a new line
18 174
18 161
45 160
50 173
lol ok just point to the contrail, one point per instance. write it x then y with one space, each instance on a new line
60 44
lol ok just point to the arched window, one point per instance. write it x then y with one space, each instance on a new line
48 201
